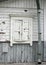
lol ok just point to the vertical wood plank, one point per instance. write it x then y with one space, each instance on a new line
25 53
18 53
14 53
8 54
11 54
0 52
22 54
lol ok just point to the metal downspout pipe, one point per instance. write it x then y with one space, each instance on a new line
39 55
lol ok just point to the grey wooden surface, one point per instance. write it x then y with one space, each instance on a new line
18 53
21 3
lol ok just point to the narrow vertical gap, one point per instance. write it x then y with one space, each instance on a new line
43 30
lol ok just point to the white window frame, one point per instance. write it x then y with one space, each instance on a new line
30 34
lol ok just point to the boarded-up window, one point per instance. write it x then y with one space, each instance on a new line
21 30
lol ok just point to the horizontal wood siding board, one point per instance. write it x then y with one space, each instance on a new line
21 3
4 16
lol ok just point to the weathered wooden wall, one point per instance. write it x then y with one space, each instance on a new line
21 3
20 53
4 16
17 53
